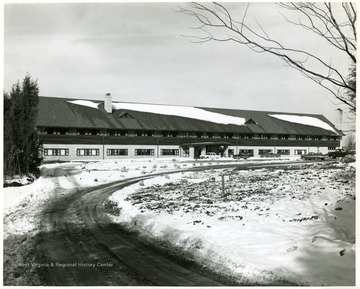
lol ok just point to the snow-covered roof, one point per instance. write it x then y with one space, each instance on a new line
182 111
62 112
306 120
85 103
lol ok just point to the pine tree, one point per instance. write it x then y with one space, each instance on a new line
21 139
8 138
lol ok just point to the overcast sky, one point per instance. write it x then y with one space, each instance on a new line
136 52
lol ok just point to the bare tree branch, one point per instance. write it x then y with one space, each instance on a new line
320 19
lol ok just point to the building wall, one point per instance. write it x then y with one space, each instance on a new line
293 150
129 140
102 150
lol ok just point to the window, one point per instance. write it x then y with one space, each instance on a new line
265 136
87 152
145 133
186 151
165 134
56 152
264 152
117 152
246 152
174 134
283 136
192 134
144 152
283 152
184 134
316 137
56 130
300 137
170 133
300 152
88 132
169 152
116 132
246 136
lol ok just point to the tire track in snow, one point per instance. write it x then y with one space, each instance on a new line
76 230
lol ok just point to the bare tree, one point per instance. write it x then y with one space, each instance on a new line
350 143
333 22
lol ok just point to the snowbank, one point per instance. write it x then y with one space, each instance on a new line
294 225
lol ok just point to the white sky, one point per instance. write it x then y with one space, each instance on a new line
136 52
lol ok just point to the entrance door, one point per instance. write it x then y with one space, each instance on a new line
197 152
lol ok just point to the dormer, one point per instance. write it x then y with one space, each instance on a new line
250 121
125 115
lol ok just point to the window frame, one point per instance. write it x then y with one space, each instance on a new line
109 152
57 150
87 152
151 151
176 152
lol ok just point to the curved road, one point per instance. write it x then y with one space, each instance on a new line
80 246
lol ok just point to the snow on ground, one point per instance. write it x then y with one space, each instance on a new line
271 225
22 204
307 120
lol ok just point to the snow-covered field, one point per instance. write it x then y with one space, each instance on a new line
269 225
21 205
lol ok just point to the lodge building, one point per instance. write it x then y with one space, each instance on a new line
93 130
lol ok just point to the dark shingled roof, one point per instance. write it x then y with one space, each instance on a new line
59 112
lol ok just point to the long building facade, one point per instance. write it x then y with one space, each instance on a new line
73 129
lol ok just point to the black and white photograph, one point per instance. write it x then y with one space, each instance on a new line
179 144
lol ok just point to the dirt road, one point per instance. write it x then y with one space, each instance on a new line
80 246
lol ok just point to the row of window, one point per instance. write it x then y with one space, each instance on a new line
110 152
250 152
186 134
163 152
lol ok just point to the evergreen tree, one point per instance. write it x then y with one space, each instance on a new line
351 80
21 139
8 143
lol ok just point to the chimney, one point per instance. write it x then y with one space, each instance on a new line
339 118
108 103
